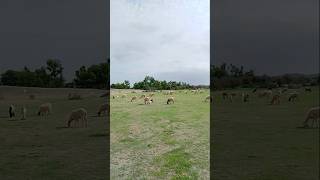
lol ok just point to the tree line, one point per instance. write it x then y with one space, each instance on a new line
51 76
226 76
150 83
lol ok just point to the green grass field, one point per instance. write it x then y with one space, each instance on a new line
41 148
257 141
160 141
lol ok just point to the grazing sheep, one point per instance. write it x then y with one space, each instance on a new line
208 98
293 97
275 99
12 111
24 113
308 89
170 99
152 94
133 98
113 97
266 93
147 100
45 109
104 108
171 92
77 116
123 95
313 114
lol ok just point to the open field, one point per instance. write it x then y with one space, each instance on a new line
160 141
42 148
254 140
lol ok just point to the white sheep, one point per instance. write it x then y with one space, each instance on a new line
77 116
170 100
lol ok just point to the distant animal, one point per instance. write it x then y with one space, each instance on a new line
123 95
12 111
275 99
76 116
207 99
45 109
293 97
170 100
24 113
133 98
104 108
147 100
312 114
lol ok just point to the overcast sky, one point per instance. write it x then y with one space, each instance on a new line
269 36
74 31
169 40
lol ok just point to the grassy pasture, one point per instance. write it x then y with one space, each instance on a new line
160 141
41 148
255 140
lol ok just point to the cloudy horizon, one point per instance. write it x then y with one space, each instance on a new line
164 39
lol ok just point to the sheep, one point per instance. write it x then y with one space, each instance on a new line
152 94
104 108
78 115
171 92
170 99
123 95
208 98
284 90
24 113
313 114
266 93
45 109
12 111
254 90
293 97
275 99
147 100
133 98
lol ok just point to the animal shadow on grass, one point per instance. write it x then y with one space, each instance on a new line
62 127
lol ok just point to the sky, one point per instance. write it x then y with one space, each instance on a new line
269 36
169 40
32 31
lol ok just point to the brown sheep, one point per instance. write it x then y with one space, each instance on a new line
147 100
133 98
170 100
77 116
313 114
45 109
